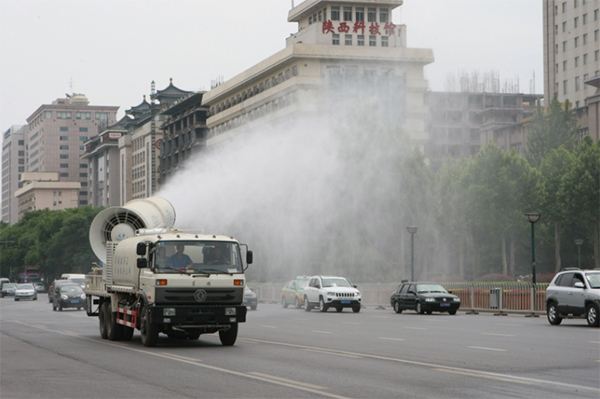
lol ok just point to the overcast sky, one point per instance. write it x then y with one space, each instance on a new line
112 49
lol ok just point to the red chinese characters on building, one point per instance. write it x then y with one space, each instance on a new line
344 27
389 28
374 28
359 25
327 26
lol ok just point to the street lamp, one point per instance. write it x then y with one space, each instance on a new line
579 243
533 217
412 230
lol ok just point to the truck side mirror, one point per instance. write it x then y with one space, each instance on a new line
142 263
249 257
141 248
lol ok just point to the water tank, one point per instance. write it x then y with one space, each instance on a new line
118 223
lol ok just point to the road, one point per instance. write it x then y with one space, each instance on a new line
288 353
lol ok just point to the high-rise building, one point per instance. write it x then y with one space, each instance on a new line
44 190
13 165
56 135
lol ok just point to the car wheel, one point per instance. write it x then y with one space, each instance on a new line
284 303
307 306
419 308
429 312
356 308
229 336
452 312
592 316
339 309
53 307
101 321
322 306
397 307
148 331
552 314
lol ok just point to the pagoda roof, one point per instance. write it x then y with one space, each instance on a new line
171 91
141 108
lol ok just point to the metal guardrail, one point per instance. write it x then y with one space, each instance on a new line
512 296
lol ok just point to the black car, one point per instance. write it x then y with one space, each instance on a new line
68 296
424 298
53 289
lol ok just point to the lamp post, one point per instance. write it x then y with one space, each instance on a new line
533 217
579 243
412 230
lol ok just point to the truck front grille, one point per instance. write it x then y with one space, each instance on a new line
186 296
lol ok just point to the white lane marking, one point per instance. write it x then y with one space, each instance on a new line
499 335
196 363
415 328
485 348
325 352
267 326
274 377
594 342
476 374
321 332
190 359
391 339
472 372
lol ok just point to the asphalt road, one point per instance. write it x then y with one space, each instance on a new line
288 353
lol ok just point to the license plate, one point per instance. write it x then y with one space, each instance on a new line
74 300
345 302
444 305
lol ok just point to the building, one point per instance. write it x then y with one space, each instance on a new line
592 104
45 190
184 133
56 135
139 150
13 164
338 44
461 123
572 54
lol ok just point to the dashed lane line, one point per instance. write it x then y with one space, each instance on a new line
391 339
499 335
274 377
321 332
485 348
325 352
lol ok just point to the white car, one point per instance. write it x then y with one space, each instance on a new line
25 291
326 292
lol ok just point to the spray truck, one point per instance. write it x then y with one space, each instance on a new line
158 279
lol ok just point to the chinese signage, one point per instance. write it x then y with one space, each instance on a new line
114 135
359 27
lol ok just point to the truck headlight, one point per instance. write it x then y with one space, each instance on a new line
230 311
429 299
169 312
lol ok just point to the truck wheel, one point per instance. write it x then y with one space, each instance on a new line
113 330
101 321
126 333
228 337
148 331
452 312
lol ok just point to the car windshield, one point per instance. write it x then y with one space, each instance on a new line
71 290
427 288
593 279
24 286
335 282
197 257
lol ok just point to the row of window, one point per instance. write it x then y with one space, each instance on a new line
578 60
584 21
578 83
564 6
576 41
99 116
360 40
66 129
349 13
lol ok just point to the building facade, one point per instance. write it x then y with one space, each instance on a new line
44 190
13 164
56 135
338 44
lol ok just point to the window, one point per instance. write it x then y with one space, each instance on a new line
83 129
21 153
576 42
64 129
585 59
596 55
576 83
320 15
48 114
348 40
64 156
101 116
372 40
83 115
584 39
335 13
383 15
564 44
575 22
596 14
564 26
576 62
83 175
360 40
64 165
360 13
64 174
63 115
21 168
64 147
83 138
584 19
21 142
335 39
596 34
347 13
564 6
83 166
564 87
64 138
371 14
575 3
384 41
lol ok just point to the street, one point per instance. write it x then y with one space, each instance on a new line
288 353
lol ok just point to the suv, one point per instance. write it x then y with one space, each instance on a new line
575 292
327 292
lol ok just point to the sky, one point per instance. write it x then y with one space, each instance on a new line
111 50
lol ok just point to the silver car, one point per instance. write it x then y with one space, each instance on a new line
574 292
25 291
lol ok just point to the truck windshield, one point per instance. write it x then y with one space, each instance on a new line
197 257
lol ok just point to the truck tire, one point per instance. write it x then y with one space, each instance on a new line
114 331
229 336
101 321
126 333
148 331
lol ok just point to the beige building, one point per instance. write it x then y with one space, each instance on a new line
44 190
339 45
56 135
571 49
13 164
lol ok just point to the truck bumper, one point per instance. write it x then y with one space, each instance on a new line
197 316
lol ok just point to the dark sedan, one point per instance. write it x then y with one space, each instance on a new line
424 298
68 296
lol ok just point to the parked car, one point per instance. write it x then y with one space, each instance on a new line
574 292
8 289
39 287
25 291
293 292
53 289
68 296
424 298
327 292
250 298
